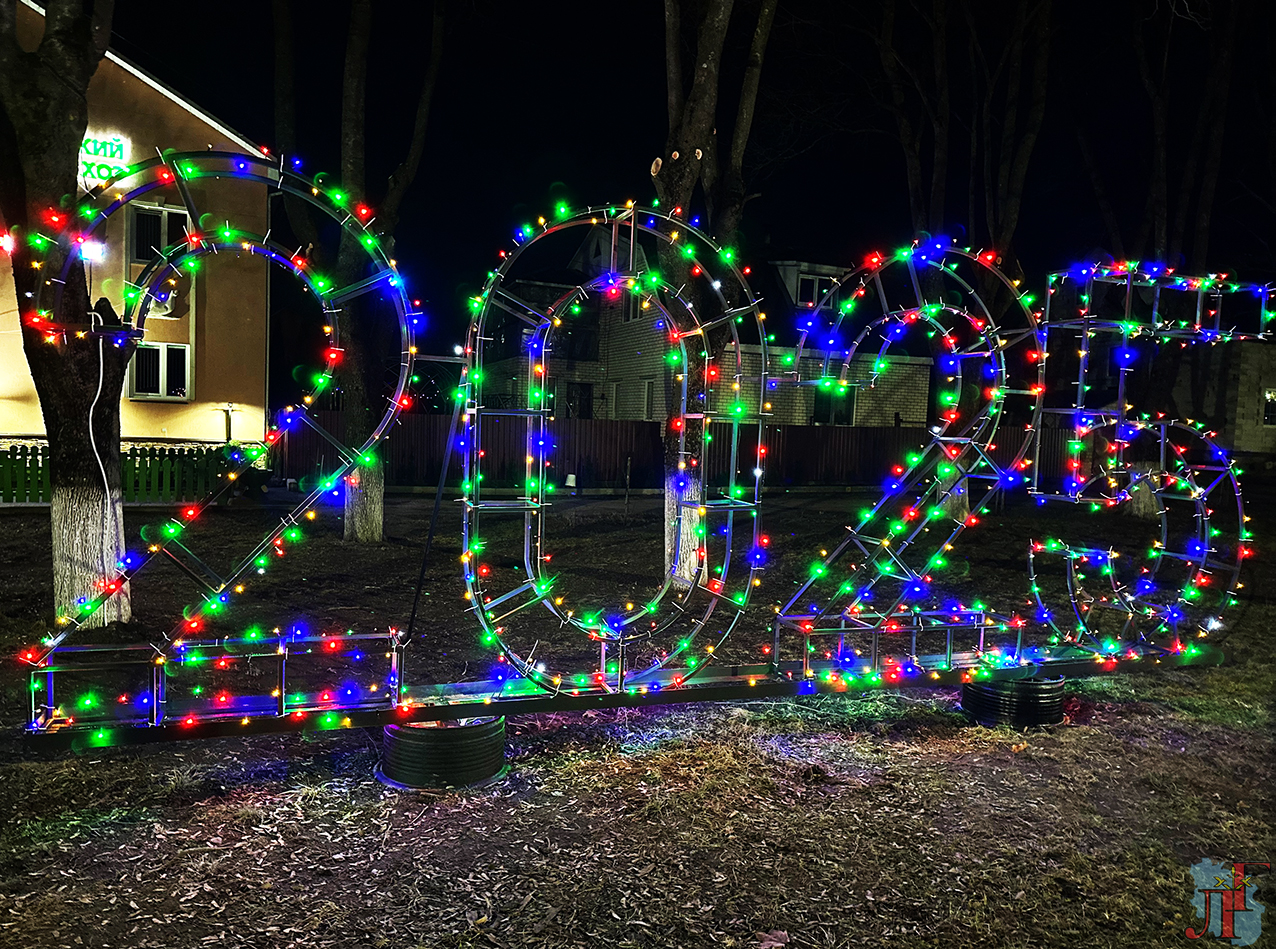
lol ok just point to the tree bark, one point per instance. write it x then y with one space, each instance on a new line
729 205
1220 86
365 485
910 139
361 374
1157 89
78 379
403 176
299 218
941 121
675 176
1101 196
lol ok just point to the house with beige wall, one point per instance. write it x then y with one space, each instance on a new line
200 372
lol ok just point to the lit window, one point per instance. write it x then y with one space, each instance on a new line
153 230
160 371
1269 406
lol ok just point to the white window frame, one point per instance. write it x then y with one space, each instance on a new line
649 399
163 348
156 311
822 285
164 211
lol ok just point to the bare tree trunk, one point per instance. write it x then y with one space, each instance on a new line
1142 503
941 121
1157 88
1101 196
361 372
909 137
683 491
1017 151
43 115
88 542
729 205
303 225
365 485
1219 87
688 146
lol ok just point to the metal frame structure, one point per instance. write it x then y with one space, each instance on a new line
877 580
153 705
1126 312
702 309
994 368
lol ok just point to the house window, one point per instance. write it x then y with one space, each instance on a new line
834 408
815 291
580 400
630 308
1269 407
160 371
649 399
154 229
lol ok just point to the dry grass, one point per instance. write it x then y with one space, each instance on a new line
882 820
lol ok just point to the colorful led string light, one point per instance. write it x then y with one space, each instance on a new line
699 310
881 577
64 242
880 581
1130 310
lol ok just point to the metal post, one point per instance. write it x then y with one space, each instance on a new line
281 700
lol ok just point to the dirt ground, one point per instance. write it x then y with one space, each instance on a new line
882 819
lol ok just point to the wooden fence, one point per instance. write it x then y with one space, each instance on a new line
150 475
596 451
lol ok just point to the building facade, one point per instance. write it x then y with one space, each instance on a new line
200 373
608 362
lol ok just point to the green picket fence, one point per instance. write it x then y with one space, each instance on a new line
150 475
24 474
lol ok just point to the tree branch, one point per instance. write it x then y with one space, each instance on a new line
1013 79
910 140
702 102
673 62
8 30
676 175
100 27
403 176
942 117
68 36
354 99
1032 123
749 88
1101 196
299 217
1219 88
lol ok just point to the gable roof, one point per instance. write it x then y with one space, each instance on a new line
170 94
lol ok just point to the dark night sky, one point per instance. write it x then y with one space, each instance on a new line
566 99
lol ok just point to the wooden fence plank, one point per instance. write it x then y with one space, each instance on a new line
6 479
23 475
46 487
128 474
